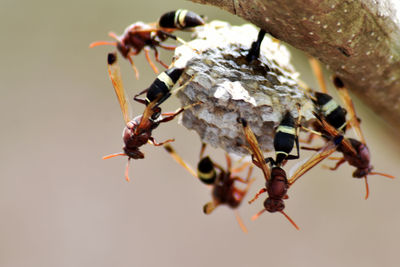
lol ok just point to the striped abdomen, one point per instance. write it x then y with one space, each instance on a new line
206 171
284 138
160 88
334 114
180 19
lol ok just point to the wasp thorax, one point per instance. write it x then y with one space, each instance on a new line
277 187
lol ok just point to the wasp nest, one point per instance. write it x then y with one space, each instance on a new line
218 75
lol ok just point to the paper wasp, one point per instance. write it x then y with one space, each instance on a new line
141 36
222 180
137 131
332 122
277 183
355 152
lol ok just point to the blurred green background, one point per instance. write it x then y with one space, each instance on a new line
61 205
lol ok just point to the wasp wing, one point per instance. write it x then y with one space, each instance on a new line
333 132
115 75
346 99
255 148
319 156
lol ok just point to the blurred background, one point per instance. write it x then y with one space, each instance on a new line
61 205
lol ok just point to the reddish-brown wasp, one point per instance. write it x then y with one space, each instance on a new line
277 183
357 154
145 36
222 180
137 131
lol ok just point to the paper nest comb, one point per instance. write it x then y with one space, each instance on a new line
219 76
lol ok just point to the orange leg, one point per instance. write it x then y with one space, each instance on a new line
228 162
309 139
257 195
240 168
146 53
247 180
133 65
240 222
311 148
167 47
366 188
158 59
340 162
154 142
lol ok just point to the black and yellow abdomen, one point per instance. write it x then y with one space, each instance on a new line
206 171
162 85
180 19
334 114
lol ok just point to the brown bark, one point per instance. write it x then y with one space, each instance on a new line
358 40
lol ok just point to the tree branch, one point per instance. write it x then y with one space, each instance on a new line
358 40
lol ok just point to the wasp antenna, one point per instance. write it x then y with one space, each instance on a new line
114 155
366 188
94 44
127 170
382 174
113 35
290 220
257 195
255 216
240 222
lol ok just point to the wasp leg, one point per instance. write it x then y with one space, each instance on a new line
289 157
340 162
228 162
311 148
254 52
309 139
179 40
172 115
240 168
156 56
247 180
240 222
146 53
154 142
167 47
140 100
263 190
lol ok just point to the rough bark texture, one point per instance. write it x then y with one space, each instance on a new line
359 40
